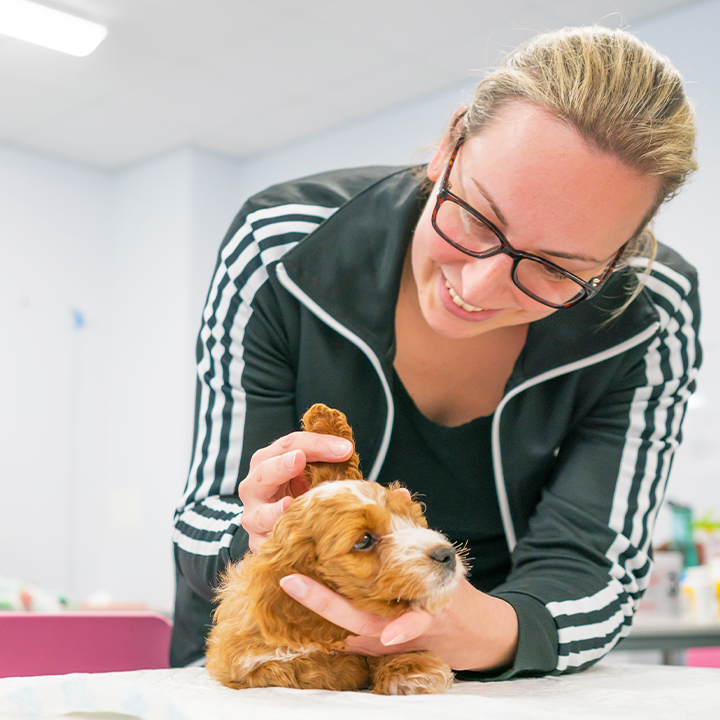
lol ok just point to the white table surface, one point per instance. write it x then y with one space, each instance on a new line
607 691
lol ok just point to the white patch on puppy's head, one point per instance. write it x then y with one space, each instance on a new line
355 487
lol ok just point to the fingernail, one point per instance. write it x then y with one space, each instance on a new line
294 586
395 641
341 447
290 460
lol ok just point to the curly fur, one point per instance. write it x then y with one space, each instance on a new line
262 637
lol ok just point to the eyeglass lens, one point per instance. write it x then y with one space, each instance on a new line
470 233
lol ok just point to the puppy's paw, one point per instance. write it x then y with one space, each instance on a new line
409 674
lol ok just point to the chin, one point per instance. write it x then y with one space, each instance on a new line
450 325
367 542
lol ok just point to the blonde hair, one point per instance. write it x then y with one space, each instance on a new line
620 94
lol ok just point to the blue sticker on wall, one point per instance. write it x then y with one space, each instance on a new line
78 319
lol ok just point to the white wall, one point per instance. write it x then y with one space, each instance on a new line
95 422
53 260
167 218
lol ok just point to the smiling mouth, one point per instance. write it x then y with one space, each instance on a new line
459 301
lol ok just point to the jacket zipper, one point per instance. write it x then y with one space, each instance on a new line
500 487
329 320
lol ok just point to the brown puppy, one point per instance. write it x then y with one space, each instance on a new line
368 543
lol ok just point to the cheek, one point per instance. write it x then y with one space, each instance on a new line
352 573
443 252
532 309
430 250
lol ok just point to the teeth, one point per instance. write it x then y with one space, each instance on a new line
459 301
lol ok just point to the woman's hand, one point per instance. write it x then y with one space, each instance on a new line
276 477
475 632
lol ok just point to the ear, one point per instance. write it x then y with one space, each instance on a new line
437 164
279 617
328 421
282 620
269 605
439 161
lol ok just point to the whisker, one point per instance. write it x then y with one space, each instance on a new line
462 550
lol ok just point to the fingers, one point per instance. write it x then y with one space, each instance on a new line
264 489
276 477
331 606
316 447
259 518
267 492
275 466
407 627
278 464
335 608
266 515
263 481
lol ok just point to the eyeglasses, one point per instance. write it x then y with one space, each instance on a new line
473 234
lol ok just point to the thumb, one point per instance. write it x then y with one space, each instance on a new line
407 627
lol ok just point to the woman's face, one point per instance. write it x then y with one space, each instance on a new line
550 194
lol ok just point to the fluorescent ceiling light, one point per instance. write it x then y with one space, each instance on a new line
50 28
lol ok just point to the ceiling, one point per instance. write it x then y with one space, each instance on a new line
243 76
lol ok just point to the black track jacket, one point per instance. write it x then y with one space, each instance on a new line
301 310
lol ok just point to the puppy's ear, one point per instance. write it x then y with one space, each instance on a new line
327 421
281 620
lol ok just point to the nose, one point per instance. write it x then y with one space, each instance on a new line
444 555
488 280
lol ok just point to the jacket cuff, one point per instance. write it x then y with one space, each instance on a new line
537 650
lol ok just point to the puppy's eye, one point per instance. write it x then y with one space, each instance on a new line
365 542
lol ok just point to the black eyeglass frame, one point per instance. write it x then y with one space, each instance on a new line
588 288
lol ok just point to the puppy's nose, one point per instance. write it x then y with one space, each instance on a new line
445 556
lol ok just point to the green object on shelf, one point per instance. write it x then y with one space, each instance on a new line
706 523
683 540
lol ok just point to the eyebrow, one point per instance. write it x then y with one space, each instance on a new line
552 253
491 202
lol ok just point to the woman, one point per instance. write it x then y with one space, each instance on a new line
491 345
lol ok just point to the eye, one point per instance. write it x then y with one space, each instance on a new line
552 274
365 542
471 229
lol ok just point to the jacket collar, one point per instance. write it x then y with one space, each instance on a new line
585 330
352 263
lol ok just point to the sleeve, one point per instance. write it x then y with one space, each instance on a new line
245 397
579 572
